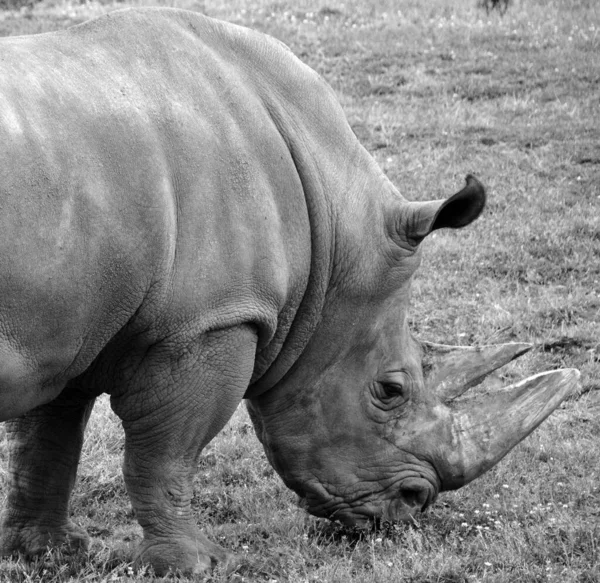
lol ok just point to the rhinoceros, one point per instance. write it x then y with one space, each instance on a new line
188 221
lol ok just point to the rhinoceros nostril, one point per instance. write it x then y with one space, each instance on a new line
415 499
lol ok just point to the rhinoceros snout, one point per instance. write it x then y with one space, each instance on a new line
407 501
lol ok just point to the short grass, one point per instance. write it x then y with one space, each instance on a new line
434 90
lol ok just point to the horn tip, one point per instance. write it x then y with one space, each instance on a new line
521 348
573 373
567 373
565 379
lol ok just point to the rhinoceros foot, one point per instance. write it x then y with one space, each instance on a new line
23 537
195 555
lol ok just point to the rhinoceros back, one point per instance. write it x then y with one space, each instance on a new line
149 183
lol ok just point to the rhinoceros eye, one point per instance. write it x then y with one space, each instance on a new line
394 389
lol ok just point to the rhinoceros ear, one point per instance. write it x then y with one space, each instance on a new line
457 211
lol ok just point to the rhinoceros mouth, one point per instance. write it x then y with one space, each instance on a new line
360 514
410 498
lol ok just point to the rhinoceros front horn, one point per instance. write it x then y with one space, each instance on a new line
483 432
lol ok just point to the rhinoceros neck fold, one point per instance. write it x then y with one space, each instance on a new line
327 159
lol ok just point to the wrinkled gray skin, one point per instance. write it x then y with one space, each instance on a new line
188 220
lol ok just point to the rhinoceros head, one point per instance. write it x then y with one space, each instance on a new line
364 426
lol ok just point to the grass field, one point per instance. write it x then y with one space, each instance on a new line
434 90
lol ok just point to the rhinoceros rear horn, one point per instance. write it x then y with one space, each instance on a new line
484 431
455 212
449 371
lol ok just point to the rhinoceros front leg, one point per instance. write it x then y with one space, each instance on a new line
179 397
44 447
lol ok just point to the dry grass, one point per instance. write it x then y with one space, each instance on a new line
435 90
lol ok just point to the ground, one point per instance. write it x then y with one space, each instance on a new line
434 90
